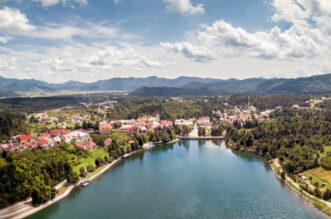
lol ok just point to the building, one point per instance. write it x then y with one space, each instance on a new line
108 142
183 122
26 138
77 135
204 122
105 129
56 132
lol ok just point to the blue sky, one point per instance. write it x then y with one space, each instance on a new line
85 40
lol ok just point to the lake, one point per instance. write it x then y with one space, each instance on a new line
188 179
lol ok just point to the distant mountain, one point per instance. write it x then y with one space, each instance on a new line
314 84
155 86
6 93
25 85
114 84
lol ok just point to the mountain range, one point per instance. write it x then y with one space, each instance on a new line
181 86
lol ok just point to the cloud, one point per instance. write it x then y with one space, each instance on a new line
5 39
190 51
68 31
111 57
13 21
49 3
116 2
184 7
288 10
264 44
316 7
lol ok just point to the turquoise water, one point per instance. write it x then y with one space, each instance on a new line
190 179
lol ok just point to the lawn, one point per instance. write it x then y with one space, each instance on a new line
322 174
84 162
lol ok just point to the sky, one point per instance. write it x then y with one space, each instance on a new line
90 40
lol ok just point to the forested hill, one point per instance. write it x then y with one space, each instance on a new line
181 86
6 93
315 84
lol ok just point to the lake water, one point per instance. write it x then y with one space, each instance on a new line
188 179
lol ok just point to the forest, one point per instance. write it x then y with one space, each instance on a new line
297 137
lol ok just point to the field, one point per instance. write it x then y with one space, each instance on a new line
90 160
322 174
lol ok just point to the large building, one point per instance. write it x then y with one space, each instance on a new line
105 129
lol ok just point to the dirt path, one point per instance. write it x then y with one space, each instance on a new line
194 133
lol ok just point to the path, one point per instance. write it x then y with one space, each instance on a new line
298 187
194 133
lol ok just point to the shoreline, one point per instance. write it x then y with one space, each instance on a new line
29 209
288 182
275 166
293 186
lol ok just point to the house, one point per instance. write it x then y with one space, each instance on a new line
105 129
56 132
166 123
204 121
7 147
108 142
44 136
183 122
142 119
77 135
26 138
128 128
43 143
90 146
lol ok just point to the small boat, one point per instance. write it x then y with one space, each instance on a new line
126 156
83 184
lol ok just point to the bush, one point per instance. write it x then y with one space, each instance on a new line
90 168
82 172
327 195
326 163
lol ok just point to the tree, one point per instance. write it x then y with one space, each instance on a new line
317 192
82 172
165 137
327 194
90 168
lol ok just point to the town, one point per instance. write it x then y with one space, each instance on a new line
75 126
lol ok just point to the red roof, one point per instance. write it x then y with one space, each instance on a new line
26 137
59 131
43 142
91 143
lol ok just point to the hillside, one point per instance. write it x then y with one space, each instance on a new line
314 84
6 93
181 86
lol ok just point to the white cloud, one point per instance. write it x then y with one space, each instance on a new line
198 54
13 21
288 10
268 44
68 31
184 7
49 3
5 39
111 57
317 7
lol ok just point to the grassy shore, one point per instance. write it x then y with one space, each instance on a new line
320 204
63 191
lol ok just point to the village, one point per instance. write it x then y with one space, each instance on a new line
75 128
